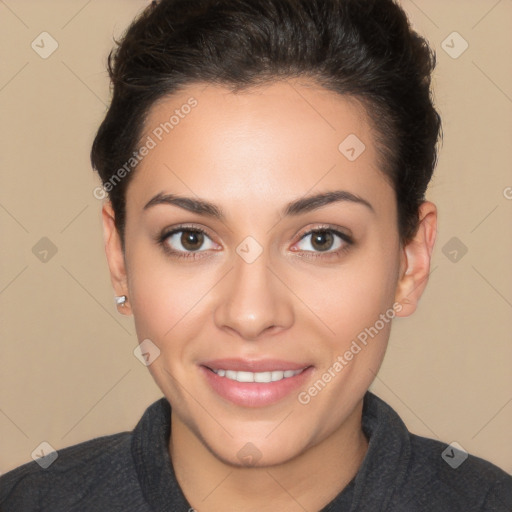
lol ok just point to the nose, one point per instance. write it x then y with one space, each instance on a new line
253 300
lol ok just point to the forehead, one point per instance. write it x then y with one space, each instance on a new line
287 137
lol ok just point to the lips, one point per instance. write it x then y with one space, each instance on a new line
253 383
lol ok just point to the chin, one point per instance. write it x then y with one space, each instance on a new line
254 451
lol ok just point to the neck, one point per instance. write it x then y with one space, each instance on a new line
307 482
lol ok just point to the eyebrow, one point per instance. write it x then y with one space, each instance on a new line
298 207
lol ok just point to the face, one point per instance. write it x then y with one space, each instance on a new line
269 292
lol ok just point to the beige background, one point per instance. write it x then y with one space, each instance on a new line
67 369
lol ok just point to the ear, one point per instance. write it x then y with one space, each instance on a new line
415 261
115 257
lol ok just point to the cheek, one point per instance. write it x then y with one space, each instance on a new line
167 297
156 292
353 296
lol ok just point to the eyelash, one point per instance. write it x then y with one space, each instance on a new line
161 240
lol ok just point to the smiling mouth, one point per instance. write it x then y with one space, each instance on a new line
251 383
261 377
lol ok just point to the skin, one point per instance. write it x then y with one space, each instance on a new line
252 153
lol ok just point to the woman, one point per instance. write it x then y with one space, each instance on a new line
266 163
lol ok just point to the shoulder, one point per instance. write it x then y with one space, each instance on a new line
417 473
441 474
102 466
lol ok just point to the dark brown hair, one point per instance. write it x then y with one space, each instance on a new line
361 48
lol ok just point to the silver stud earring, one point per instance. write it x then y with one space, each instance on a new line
121 300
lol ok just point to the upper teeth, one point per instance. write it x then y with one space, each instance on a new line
258 376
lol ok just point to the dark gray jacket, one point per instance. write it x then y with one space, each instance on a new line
132 471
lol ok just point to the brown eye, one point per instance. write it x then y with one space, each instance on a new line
191 240
322 240
184 240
